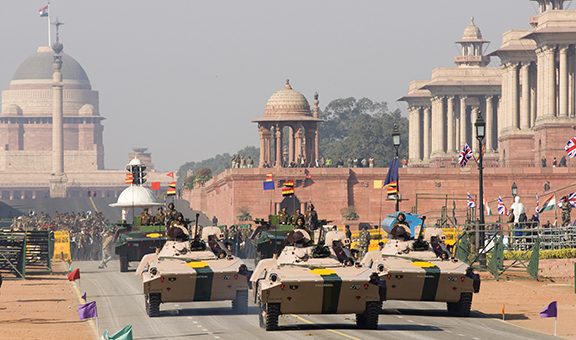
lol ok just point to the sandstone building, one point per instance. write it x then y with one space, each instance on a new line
529 105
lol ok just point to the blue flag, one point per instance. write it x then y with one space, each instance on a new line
87 311
269 182
551 311
391 182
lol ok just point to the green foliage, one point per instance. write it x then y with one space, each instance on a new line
567 253
352 129
350 214
215 165
361 129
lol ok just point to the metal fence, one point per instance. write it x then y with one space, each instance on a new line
510 248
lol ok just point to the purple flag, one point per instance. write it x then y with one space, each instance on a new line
87 311
551 311
84 296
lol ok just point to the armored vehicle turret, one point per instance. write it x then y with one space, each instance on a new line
307 278
193 266
422 269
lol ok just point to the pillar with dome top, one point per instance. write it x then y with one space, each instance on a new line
288 130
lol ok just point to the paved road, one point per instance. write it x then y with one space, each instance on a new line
120 302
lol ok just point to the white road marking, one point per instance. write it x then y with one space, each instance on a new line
204 330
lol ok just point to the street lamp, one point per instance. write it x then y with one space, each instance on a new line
396 142
480 126
514 189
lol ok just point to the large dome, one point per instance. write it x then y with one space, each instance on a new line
287 102
39 66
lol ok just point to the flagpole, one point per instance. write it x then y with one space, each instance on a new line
97 329
555 325
49 27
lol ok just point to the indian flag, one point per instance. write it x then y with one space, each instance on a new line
549 204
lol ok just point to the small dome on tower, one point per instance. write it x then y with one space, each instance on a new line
87 110
287 102
472 32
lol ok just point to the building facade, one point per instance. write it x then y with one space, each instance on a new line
529 103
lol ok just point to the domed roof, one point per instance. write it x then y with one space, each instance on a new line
39 66
136 196
287 102
472 32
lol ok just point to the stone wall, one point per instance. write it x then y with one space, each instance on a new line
332 190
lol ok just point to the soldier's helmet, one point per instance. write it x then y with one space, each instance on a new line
171 206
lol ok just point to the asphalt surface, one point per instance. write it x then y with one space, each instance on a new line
120 302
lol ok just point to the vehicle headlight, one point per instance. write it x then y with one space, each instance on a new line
153 271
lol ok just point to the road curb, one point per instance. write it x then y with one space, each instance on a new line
81 301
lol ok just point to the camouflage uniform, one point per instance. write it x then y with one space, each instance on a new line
364 241
566 208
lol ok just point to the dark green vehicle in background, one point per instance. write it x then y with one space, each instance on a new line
131 243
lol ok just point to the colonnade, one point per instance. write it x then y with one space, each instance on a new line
442 128
302 143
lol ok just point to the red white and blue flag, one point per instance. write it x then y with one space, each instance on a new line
570 198
465 155
470 201
571 147
502 210
43 11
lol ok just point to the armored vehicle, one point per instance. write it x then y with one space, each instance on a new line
193 269
131 243
422 269
316 279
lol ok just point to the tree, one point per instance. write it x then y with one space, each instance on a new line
361 129
207 168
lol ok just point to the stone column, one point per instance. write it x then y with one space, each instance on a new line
463 131
438 132
316 143
426 133
298 144
498 113
503 117
57 119
563 77
414 133
262 147
290 145
450 143
489 123
278 146
540 97
550 82
525 99
533 101
514 95
473 118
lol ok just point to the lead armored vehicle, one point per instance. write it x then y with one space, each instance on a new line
197 268
422 269
131 243
316 279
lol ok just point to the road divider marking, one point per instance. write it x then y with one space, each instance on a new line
333 331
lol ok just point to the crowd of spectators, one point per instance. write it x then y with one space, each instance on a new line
86 230
356 162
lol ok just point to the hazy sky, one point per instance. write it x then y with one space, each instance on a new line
184 78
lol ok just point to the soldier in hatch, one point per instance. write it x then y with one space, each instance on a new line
401 228
145 217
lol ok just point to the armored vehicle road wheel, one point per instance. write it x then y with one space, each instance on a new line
153 305
240 303
369 319
123 264
462 307
268 316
